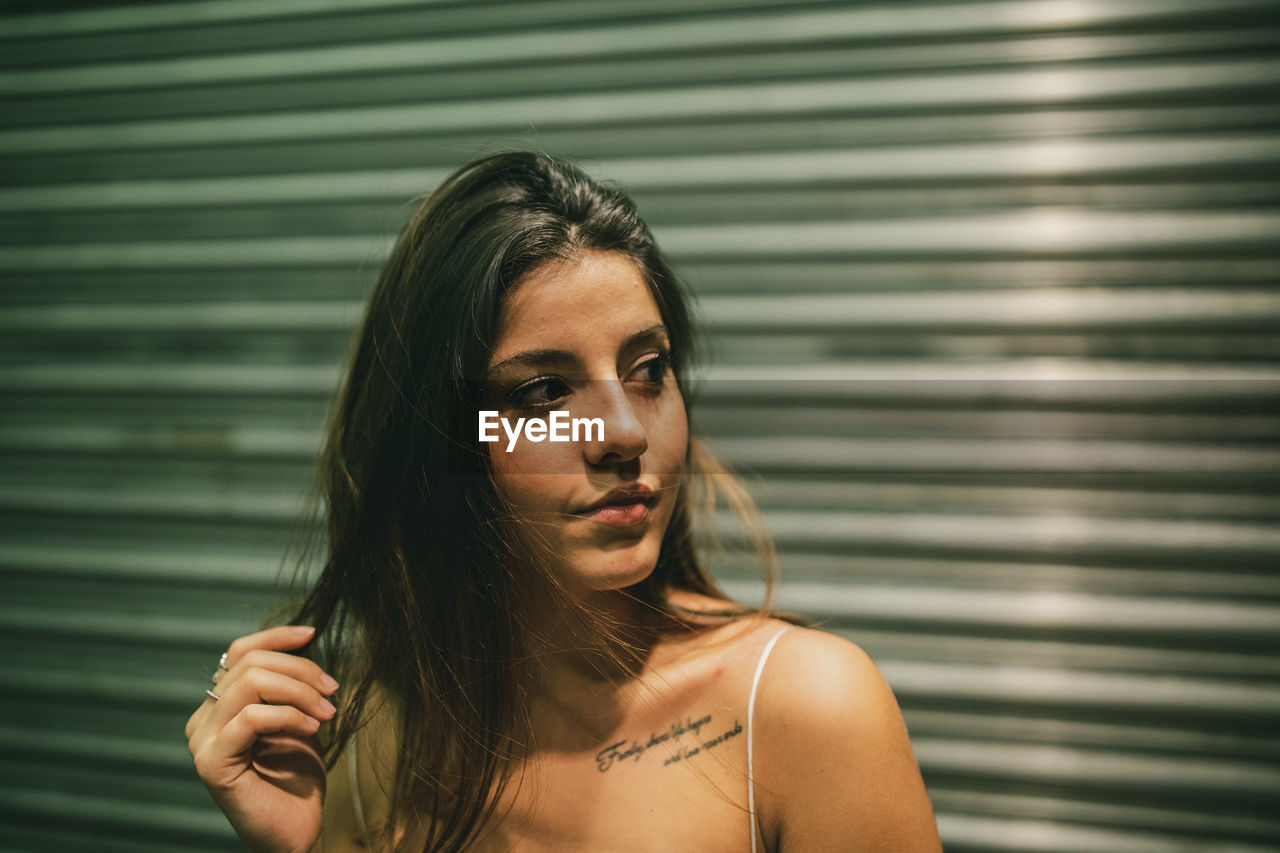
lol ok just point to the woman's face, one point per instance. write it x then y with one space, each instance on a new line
586 338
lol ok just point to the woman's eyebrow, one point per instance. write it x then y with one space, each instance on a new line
657 332
560 358
538 357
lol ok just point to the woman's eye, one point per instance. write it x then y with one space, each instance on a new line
542 393
653 371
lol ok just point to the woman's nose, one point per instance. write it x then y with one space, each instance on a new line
624 435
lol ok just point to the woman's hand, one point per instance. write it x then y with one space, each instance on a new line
255 745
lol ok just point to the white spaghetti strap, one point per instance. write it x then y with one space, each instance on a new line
751 713
353 773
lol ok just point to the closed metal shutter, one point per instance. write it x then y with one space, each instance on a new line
991 289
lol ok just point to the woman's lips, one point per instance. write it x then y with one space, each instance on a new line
622 506
620 514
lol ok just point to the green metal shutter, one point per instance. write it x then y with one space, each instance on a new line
991 289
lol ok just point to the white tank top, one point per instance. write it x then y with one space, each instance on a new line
751 786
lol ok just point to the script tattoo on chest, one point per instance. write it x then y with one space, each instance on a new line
680 741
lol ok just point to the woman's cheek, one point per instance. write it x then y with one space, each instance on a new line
674 432
535 476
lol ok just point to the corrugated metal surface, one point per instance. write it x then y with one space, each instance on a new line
992 293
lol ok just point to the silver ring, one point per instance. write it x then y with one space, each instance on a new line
222 667
215 696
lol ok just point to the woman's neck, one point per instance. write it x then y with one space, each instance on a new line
599 636
587 663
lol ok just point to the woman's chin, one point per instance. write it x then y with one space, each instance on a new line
615 569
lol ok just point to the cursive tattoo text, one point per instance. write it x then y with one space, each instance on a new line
683 740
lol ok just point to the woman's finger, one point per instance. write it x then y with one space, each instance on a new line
299 668
282 638
268 650
236 738
257 686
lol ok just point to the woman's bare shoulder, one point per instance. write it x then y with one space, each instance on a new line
819 687
818 668
833 747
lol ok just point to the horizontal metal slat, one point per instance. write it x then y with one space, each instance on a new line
159 693
154 438
777 451
959 609
1033 534
1036 231
1019 571
917 164
241 254
55 835
762 276
115 818
156 15
1153 698
626 70
206 379
210 629
202 14
1097 769
967 832
731 419
1027 311
199 565
227 317
1102 650
1003 726
501 115
74 746
716 134
1178 823
260 508
755 32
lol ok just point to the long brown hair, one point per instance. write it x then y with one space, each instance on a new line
424 590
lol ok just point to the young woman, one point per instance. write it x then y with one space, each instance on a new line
532 656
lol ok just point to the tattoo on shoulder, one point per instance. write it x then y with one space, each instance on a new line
680 741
